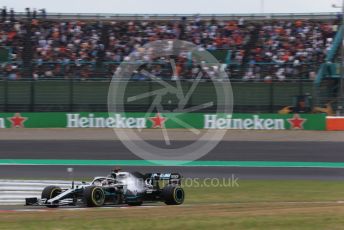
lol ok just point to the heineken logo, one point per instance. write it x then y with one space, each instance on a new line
216 122
75 120
255 122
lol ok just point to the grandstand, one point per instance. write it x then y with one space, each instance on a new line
63 62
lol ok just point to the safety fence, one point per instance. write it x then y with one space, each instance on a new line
14 192
148 17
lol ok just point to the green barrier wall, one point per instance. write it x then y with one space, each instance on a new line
167 120
65 95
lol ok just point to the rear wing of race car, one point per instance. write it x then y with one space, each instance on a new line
173 178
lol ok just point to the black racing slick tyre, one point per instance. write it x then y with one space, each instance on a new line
173 195
94 196
50 192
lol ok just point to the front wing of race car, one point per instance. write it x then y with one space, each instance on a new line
66 197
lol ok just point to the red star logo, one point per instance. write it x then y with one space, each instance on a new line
17 120
296 122
158 121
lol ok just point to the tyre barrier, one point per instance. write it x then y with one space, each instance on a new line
14 192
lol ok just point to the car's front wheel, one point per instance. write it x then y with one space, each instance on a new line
51 192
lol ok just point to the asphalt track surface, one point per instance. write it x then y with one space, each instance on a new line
226 150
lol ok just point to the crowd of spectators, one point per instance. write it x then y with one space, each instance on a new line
75 49
81 40
288 45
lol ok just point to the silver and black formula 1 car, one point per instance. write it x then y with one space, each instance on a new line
117 188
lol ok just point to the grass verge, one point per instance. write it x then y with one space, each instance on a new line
260 204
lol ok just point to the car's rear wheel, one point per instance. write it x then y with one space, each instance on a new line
173 195
94 196
51 192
